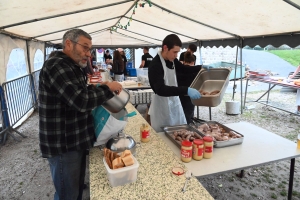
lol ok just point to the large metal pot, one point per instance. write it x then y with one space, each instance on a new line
117 102
121 143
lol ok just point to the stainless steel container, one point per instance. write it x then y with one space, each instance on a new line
121 143
118 102
214 79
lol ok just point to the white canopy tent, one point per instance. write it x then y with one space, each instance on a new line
137 23
205 21
36 24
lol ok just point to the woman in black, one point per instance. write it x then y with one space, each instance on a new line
186 79
118 67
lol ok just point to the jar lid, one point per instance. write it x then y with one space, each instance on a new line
198 141
186 143
177 171
208 139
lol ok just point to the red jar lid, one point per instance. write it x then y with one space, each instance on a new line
186 143
208 139
198 141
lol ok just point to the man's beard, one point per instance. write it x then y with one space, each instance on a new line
82 65
77 57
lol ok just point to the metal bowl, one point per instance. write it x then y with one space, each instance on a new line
117 102
121 143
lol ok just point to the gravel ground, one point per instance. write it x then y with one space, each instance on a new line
25 175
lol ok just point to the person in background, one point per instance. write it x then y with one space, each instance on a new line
298 91
186 79
146 58
165 108
66 129
192 48
124 59
107 55
118 67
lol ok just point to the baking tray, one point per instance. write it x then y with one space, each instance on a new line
219 144
214 79
170 130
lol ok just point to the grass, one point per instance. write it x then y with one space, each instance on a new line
291 56
273 196
283 193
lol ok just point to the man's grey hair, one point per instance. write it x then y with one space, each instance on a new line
73 35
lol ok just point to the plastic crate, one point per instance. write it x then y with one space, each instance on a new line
131 72
122 176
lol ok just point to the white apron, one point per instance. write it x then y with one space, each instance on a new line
166 111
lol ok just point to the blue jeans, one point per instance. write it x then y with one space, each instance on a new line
68 171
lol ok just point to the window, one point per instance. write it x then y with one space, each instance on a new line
38 60
16 66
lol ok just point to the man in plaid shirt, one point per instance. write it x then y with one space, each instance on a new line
66 128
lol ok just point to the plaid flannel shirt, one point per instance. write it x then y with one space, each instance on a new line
65 105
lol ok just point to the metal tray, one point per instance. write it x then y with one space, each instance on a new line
214 79
170 129
220 144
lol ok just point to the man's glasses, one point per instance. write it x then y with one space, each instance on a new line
85 48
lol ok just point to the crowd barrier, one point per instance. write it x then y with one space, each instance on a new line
18 97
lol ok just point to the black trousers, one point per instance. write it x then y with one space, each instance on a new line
188 108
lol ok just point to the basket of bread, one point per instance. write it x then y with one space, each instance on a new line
121 168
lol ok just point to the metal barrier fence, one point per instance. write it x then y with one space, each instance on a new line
35 77
19 98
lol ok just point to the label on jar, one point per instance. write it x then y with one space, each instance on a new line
200 152
186 153
145 133
208 149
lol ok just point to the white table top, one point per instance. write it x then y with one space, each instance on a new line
135 87
259 147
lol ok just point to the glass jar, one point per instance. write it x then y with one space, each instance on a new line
198 149
145 133
186 151
208 146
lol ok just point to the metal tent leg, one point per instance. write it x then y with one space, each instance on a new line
209 113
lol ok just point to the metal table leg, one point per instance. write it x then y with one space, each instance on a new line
246 92
292 168
209 113
197 112
268 93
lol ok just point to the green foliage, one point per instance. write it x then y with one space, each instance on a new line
274 196
291 56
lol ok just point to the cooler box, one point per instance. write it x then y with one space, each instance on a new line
129 65
131 72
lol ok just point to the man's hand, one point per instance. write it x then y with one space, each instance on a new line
193 93
115 87
291 76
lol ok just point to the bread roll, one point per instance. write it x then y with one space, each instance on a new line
128 160
117 163
125 153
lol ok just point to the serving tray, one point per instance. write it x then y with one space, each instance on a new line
219 144
169 131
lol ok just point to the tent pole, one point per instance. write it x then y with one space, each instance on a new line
241 62
28 56
235 67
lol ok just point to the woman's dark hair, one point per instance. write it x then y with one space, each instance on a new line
193 48
189 57
171 40
118 64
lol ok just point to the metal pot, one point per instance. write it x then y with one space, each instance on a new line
117 102
121 143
